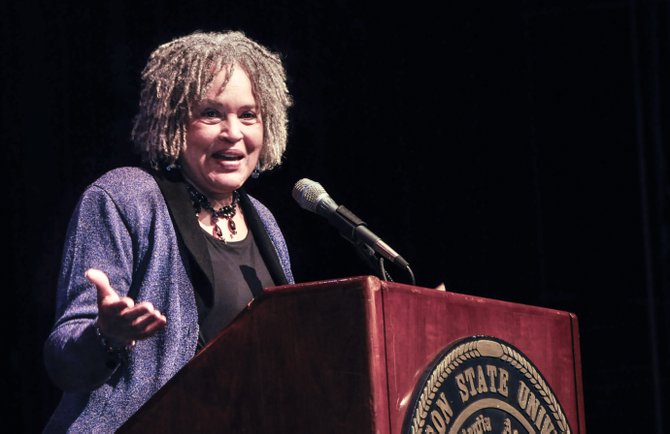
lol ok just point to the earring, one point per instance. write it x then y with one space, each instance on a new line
172 166
257 171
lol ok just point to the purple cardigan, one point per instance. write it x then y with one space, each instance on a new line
139 230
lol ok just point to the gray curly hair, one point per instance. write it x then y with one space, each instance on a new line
179 73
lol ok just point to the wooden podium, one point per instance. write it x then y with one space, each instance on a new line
351 356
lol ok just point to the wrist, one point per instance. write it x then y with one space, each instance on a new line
116 353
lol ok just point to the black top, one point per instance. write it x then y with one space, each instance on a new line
240 275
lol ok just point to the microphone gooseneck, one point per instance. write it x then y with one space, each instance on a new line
311 196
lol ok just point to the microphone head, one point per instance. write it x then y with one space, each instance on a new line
308 194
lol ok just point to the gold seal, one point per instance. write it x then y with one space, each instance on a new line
481 385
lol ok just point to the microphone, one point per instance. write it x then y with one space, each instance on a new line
311 196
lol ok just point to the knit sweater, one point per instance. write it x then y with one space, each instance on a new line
123 226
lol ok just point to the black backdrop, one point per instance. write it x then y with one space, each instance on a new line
510 149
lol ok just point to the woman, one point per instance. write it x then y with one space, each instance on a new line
157 260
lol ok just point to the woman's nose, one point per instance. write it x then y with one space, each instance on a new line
231 129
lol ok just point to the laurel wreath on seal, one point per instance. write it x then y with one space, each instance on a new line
468 351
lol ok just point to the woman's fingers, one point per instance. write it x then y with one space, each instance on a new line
101 282
119 317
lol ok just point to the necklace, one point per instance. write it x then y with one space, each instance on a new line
226 212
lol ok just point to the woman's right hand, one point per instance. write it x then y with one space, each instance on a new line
120 320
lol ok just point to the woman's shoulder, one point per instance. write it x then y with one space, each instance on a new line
127 176
262 210
127 183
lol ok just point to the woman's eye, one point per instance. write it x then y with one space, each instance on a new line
248 115
210 116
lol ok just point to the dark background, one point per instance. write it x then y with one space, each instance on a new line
510 149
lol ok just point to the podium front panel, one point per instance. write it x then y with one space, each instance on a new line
420 323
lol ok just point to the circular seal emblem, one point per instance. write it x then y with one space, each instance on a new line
484 385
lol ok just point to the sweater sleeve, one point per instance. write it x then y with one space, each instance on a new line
97 237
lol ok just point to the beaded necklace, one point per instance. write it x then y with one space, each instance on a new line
226 212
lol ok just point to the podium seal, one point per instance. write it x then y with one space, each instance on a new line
484 385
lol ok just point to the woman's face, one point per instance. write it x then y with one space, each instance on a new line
224 137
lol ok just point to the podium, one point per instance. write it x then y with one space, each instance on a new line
362 355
